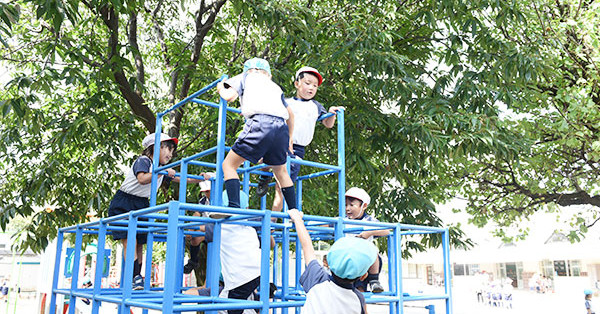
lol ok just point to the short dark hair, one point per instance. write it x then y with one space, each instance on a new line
354 198
301 75
149 151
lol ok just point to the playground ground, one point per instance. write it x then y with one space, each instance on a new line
525 302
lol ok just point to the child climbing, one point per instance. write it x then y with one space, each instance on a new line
134 194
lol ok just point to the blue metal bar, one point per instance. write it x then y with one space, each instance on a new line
194 95
155 160
265 244
218 186
212 104
101 250
447 271
316 174
59 243
76 262
171 257
341 164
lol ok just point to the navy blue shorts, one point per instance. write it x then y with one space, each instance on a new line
294 167
266 137
123 203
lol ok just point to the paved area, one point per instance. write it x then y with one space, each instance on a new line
465 302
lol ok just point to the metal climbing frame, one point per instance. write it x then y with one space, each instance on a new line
169 223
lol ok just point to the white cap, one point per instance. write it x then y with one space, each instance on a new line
309 70
149 139
360 194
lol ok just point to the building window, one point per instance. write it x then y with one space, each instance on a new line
575 268
466 269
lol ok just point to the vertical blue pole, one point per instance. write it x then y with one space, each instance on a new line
183 182
392 258
341 164
299 194
214 265
246 180
265 245
285 262
100 254
59 243
447 271
154 183
398 268
126 278
75 273
173 234
298 267
220 152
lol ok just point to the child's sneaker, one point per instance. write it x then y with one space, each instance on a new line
376 287
263 185
138 282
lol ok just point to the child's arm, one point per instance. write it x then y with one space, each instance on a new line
303 236
190 180
376 233
329 122
290 123
226 92
146 177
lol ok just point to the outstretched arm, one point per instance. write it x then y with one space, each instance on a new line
303 236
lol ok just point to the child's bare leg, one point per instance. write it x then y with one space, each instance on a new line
277 199
287 186
374 269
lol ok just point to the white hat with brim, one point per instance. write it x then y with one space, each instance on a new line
149 139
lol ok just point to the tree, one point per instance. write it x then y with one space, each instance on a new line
547 75
88 77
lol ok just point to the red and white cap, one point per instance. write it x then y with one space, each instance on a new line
309 70
149 139
360 194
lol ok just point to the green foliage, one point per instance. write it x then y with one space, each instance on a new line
420 82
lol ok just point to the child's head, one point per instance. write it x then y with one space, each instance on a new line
307 82
357 201
588 293
244 199
259 65
167 147
350 257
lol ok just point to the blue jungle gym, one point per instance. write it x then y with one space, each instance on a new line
172 226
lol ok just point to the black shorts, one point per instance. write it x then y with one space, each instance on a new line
123 203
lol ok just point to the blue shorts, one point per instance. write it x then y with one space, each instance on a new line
266 137
294 167
123 203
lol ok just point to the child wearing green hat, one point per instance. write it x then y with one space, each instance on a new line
349 258
266 134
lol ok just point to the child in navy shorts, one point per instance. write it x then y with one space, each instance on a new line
266 134
349 258
134 194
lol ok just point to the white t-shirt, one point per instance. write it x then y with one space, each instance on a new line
131 185
240 255
324 296
258 95
306 113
